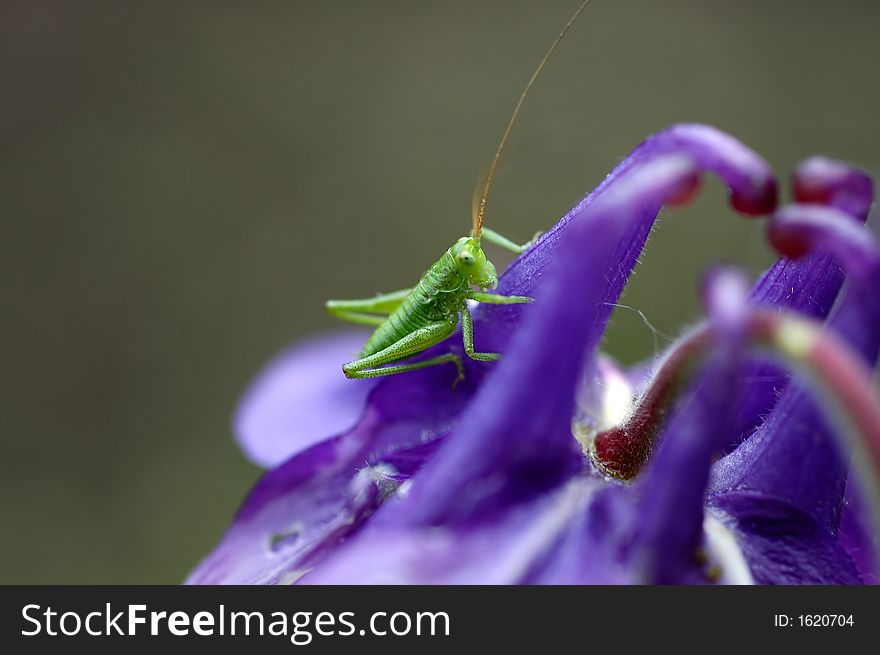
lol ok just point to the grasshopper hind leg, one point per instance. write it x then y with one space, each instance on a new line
372 366
450 358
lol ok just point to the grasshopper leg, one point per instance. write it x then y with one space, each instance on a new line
503 242
367 311
467 336
495 299
360 318
411 344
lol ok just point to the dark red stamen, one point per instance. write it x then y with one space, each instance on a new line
821 181
760 202
789 243
811 190
686 193
623 450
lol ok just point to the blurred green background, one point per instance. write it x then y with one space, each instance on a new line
182 185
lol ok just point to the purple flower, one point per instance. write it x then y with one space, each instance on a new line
555 465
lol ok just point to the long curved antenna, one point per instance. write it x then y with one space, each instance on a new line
490 176
512 156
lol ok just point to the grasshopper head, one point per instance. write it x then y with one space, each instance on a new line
471 260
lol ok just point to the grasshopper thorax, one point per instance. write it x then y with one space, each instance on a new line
472 262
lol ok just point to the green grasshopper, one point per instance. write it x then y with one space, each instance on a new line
410 321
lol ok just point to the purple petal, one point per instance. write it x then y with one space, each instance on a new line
301 510
592 547
603 543
300 398
782 544
856 535
293 510
502 550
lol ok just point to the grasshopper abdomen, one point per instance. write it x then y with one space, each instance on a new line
438 296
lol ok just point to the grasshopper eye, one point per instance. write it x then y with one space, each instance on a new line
467 258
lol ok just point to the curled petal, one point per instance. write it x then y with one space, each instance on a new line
796 230
809 285
749 179
814 481
823 181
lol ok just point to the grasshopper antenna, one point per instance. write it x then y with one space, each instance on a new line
480 208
